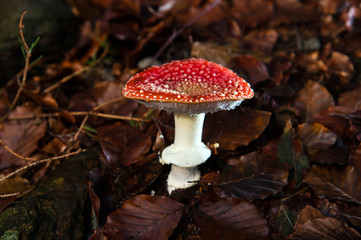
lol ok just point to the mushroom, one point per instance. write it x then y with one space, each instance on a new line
189 88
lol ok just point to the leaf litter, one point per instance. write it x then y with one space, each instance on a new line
285 165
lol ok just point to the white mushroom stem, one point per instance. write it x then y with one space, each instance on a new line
187 152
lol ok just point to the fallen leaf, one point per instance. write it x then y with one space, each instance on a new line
335 154
209 51
249 13
250 68
295 11
21 136
185 11
353 216
232 129
144 217
312 225
350 101
254 177
335 183
230 219
312 99
263 40
105 93
340 64
122 144
356 158
335 121
315 137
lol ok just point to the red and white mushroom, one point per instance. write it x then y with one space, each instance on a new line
189 88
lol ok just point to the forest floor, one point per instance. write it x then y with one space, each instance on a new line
285 164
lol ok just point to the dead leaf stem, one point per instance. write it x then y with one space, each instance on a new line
25 71
91 113
39 162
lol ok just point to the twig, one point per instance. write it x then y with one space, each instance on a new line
76 73
25 71
179 31
39 162
81 127
294 194
14 153
103 115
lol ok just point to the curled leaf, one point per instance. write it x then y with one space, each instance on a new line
312 225
315 137
335 183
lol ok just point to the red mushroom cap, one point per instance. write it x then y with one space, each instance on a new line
188 86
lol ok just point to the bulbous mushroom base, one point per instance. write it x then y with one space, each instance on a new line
187 157
182 177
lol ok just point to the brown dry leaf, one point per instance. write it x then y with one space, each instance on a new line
295 11
353 216
315 137
356 158
263 40
55 146
122 144
144 217
335 154
220 54
21 136
313 98
185 11
250 68
312 225
232 129
340 64
350 101
254 177
230 219
335 121
251 13
104 92
335 183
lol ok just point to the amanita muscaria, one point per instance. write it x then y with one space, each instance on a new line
189 88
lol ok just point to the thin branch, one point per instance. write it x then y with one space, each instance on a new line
91 113
81 127
25 72
14 153
76 73
39 162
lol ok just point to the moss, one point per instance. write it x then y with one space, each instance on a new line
56 208
10 235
